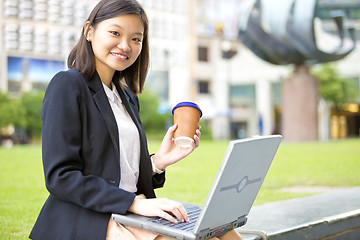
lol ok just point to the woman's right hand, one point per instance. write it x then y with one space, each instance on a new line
159 207
169 153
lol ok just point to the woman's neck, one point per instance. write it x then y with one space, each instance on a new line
106 78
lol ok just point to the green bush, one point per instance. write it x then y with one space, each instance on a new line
154 122
32 103
22 113
11 112
334 88
206 133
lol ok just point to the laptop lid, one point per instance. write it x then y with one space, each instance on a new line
238 181
232 194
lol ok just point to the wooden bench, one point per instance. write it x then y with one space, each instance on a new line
334 215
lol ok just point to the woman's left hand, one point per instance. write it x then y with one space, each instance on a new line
169 153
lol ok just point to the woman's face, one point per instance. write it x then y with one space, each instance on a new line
116 43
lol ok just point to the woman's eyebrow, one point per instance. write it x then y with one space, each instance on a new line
118 26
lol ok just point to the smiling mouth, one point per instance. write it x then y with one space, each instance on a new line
122 56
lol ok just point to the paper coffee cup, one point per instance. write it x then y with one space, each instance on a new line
187 116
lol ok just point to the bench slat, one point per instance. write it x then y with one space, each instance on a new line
330 214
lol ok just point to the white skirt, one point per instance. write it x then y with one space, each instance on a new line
118 231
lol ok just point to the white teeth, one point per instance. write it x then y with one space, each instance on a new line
120 56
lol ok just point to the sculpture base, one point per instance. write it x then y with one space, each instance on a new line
300 106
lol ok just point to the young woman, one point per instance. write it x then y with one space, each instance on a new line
95 154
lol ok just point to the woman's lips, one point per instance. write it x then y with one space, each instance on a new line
120 56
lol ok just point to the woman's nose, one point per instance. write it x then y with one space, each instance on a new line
124 45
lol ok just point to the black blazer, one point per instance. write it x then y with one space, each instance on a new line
81 159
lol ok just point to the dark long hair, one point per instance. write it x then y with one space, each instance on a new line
82 56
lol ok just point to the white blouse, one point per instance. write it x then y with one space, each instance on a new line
129 141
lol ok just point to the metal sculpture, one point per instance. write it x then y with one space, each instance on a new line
284 32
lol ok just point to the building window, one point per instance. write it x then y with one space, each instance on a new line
276 89
10 8
40 10
25 8
204 87
11 36
354 13
203 54
26 38
54 11
40 40
158 82
242 95
54 42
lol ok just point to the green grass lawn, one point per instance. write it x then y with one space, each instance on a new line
22 190
332 164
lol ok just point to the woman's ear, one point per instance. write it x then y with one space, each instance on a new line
88 31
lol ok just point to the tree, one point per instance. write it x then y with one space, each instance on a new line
153 121
32 103
333 88
11 112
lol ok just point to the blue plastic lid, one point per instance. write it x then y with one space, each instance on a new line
187 104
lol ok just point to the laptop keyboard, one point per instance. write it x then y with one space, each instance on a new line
193 214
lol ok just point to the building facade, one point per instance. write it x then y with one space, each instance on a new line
195 56
37 36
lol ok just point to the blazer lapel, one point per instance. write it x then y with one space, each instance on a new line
133 109
102 103
130 106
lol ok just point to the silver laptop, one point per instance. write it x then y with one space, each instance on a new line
231 196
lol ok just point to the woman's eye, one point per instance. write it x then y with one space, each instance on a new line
137 39
115 33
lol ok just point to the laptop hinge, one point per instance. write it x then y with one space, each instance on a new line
209 233
241 221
